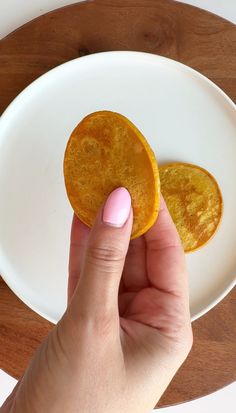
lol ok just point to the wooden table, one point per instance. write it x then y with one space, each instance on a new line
185 33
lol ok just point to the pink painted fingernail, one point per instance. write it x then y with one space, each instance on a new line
117 208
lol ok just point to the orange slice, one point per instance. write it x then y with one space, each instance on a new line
106 151
194 201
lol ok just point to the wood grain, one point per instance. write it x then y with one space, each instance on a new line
190 35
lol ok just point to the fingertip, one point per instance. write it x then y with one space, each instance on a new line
162 203
164 229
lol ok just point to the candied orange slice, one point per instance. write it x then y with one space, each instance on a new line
106 151
194 201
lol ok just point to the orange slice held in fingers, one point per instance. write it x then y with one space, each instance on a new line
106 151
194 201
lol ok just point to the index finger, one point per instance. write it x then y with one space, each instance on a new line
78 242
166 267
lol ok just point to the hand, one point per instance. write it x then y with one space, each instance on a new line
127 327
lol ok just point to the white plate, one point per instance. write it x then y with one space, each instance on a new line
184 116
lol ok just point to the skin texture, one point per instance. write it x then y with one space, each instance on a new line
126 330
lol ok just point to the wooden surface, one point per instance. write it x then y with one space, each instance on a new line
185 33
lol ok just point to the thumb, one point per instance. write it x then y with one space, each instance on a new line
96 295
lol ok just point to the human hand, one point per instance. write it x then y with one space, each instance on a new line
127 327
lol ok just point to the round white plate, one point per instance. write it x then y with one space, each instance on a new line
184 116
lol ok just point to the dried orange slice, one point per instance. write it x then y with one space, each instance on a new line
194 201
106 151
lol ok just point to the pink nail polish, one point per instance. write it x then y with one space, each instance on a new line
117 208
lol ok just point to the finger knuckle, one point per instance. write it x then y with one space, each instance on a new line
106 253
181 333
184 342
